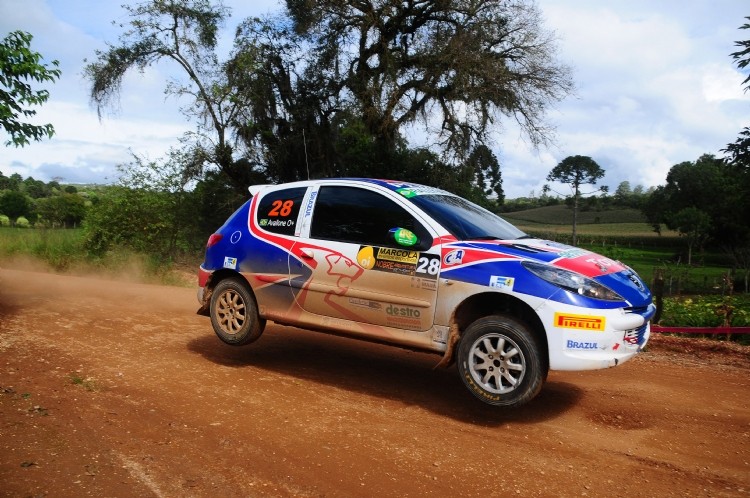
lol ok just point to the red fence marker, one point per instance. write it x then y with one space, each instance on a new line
658 329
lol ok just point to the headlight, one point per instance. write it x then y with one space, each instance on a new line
572 281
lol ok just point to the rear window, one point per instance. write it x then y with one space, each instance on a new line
278 211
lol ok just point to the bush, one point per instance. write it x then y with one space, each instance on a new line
706 311
22 222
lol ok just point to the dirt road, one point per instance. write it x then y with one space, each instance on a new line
120 389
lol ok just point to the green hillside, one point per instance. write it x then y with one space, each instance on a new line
563 215
556 222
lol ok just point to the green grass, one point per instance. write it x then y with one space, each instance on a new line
62 250
86 382
58 248
679 278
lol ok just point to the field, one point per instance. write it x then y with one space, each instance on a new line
558 220
624 235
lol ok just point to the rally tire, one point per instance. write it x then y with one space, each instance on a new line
499 361
234 313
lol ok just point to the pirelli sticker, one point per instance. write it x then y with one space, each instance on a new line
401 261
580 322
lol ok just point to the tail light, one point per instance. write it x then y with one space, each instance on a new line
214 239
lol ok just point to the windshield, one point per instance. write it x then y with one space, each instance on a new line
465 220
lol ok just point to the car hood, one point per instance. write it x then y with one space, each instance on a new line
613 274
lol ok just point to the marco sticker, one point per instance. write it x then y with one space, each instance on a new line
400 255
580 322
399 261
230 263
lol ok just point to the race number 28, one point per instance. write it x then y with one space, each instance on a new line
428 265
281 208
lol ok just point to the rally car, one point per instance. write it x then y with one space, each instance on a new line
421 268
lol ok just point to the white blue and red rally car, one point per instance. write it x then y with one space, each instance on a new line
421 268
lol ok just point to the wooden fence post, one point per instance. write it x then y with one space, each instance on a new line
658 292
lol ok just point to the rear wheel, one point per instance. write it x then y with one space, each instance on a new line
234 313
500 362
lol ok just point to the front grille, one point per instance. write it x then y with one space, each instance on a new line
635 337
647 312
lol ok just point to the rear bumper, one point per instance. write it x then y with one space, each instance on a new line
204 293
203 276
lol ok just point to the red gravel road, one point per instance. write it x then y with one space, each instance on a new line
120 389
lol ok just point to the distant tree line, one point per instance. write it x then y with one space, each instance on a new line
28 201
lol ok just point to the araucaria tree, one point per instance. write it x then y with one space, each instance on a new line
576 171
19 66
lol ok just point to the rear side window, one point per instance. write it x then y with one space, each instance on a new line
350 214
278 211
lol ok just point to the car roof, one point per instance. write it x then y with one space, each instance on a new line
393 185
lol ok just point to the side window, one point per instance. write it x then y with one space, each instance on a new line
359 216
277 211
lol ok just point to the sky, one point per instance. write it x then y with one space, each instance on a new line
655 86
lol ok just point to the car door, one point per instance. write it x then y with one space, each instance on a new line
349 265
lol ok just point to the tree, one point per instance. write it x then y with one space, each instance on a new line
183 32
487 176
328 87
14 204
18 66
712 185
462 64
737 155
738 152
64 210
576 171
693 224
623 193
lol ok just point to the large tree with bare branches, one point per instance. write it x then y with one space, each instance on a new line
455 66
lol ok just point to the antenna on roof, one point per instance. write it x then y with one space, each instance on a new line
304 143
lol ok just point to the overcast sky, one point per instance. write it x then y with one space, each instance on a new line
655 86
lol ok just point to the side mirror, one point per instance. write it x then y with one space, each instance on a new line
404 237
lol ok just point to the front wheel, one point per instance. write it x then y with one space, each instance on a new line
234 313
500 362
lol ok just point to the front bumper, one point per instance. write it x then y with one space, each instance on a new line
596 339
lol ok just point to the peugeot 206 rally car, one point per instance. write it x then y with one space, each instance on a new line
421 268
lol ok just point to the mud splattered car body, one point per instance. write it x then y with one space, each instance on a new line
417 267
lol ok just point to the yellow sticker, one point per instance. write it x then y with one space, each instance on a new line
366 258
399 255
580 322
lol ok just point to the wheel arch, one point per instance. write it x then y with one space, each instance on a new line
213 280
495 303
